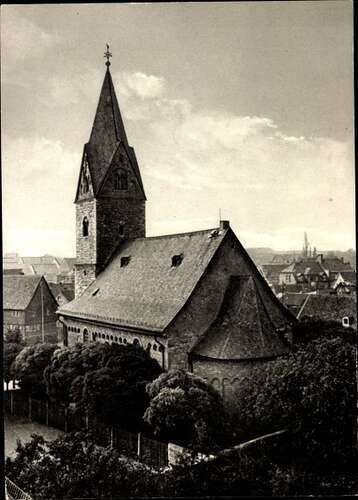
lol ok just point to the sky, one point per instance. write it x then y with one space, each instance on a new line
240 107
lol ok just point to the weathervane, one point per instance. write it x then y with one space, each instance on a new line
107 55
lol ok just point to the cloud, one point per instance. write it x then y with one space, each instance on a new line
271 186
140 85
21 38
39 180
262 177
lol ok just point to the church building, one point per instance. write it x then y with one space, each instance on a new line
193 300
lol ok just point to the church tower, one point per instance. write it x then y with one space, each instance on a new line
110 198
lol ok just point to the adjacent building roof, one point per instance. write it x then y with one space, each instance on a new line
292 299
329 307
67 265
146 290
304 267
334 264
19 290
58 289
243 328
46 269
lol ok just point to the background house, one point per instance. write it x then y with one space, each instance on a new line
30 307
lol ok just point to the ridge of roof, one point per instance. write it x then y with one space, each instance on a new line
120 286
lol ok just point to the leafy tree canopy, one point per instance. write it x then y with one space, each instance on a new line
74 467
11 350
14 336
29 367
108 380
185 409
306 331
311 392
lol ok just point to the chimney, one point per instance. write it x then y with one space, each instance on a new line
224 224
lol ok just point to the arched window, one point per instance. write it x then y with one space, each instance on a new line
149 347
85 224
121 229
85 335
121 180
136 342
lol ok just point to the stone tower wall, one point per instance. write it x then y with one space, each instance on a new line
111 212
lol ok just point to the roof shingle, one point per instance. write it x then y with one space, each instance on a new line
18 291
243 328
148 292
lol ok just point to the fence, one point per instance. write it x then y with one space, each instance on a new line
13 492
150 451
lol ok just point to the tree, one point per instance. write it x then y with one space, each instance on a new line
29 366
311 392
11 350
185 409
14 336
72 466
107 380
308 330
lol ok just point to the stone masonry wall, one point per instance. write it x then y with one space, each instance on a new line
110 334
225 376
84 275
86 246
110 213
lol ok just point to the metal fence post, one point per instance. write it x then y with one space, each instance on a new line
139 451
111 442
66 419
47 412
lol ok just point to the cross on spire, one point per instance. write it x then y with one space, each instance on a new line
107 54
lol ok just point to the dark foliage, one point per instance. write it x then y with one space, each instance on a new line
308 330
311 392
106 380
11 350
74 467
14 337
185 409
29 366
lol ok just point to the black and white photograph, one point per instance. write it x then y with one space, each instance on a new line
178 250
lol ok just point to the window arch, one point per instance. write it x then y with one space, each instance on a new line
85 224
121 180
136 342
85 335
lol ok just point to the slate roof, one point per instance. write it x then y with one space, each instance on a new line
107 134
58 289
67 264
18 291
243 328
294 299
349 276
46 269
304 267
148 292
329 307
334 264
